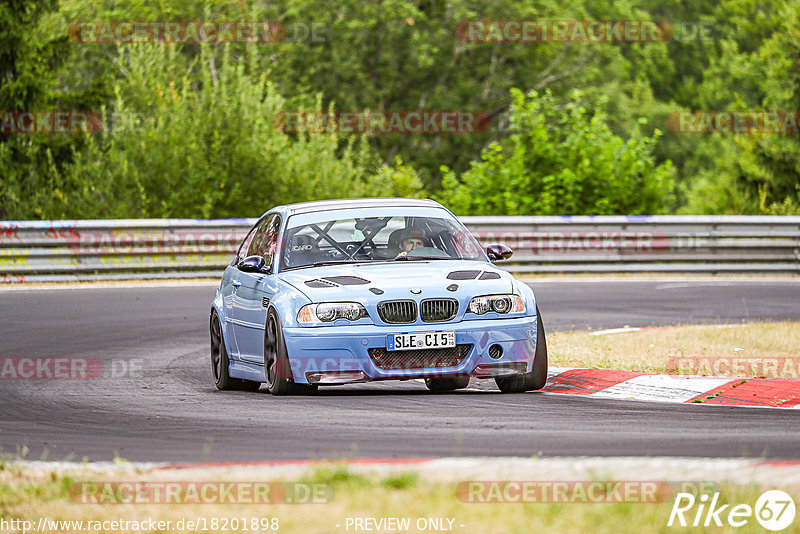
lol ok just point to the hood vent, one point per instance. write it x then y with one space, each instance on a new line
463 275
318 282
346 280
472 275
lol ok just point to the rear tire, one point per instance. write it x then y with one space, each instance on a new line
537 378
447 384
277 371
220 362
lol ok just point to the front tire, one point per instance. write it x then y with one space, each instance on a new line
447 384
537 378
220 362
276 360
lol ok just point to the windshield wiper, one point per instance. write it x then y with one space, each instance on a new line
428 258
327 262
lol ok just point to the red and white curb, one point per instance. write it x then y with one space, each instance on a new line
627 385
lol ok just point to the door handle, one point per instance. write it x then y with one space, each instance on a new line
236 283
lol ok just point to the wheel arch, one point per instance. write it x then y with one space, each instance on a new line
274 309
526 292
219 309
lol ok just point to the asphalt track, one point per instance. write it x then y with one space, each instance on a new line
170 410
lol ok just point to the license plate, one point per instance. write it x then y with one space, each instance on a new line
421 340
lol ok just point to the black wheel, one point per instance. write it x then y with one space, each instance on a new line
276 360
447 384
537 378
220 362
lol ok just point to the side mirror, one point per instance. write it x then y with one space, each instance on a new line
498 252
254 264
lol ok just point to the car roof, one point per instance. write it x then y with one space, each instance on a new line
348 203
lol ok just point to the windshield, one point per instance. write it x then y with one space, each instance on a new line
363 236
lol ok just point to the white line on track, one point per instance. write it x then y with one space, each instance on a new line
622 330
688 281
104 285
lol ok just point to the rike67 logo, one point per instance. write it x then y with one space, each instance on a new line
774 510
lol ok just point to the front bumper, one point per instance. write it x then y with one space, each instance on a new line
339 353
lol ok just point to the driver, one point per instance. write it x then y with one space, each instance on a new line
411 239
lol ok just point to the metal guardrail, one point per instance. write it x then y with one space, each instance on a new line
50 251
668 243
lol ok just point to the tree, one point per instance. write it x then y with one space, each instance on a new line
32 164
753 172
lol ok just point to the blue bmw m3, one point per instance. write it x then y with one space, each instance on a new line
345 291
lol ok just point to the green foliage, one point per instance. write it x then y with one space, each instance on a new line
339 475
26 83
398 180
755 172
25 57
190 127
201 141
560 160
400 55
401 481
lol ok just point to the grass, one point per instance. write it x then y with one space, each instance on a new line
654 350
30 495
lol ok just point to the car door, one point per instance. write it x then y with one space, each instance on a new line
228 288
253 291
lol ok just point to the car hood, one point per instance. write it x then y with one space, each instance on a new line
396 280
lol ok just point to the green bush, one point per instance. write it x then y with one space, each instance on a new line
560 159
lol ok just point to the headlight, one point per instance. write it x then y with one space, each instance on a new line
497 303
327 312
